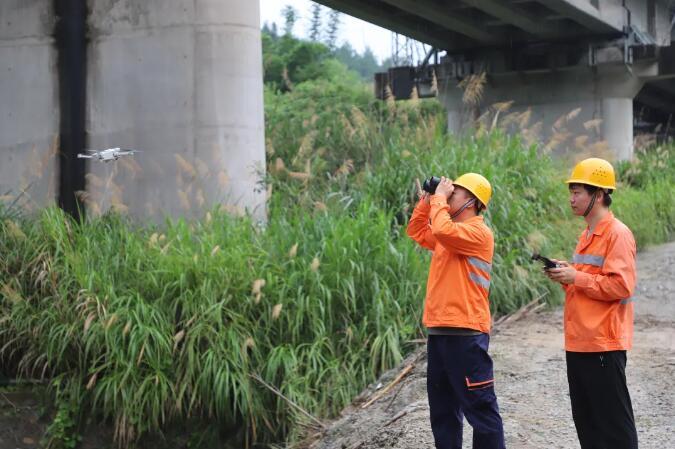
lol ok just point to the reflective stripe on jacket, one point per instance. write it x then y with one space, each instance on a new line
598 305
459 274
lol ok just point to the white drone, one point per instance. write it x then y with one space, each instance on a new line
111 154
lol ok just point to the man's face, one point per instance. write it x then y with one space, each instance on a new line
458 198
579 199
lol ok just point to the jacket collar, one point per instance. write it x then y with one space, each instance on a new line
600 227
603 224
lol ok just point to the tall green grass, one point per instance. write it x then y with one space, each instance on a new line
645 199
151 326
529 210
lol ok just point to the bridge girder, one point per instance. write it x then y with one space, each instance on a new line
461 25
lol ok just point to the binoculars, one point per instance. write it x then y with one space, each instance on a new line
431 184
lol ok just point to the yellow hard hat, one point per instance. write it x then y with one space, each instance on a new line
595 172
476 184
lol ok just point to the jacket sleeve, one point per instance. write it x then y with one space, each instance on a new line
617 278
460 238
419 229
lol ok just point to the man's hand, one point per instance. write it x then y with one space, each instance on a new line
564 275
445 187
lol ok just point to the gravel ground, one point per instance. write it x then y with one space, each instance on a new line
531 382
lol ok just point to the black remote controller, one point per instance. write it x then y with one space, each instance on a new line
548 263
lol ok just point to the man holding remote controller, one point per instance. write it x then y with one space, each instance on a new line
598 287
460 379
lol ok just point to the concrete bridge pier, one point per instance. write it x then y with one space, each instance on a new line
181 81
601 96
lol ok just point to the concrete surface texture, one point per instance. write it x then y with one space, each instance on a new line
181 81
29 120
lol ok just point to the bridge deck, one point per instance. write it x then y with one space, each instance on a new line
464 24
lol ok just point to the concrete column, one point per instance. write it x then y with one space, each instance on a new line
456 119
181 81
602 101
29 116
617 126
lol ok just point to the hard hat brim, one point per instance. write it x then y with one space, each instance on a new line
594 184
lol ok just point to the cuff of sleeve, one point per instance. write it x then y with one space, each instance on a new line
582 279
423 206
439 200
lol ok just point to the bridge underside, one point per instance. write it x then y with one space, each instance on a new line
457 25
546 56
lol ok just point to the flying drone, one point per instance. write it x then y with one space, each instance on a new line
111 154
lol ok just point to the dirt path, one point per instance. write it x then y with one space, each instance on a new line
531 380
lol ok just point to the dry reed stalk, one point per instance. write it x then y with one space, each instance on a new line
434 83
185 167
287 80
474 87
593 125
391 384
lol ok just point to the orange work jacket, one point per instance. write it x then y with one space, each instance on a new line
599 305
459 275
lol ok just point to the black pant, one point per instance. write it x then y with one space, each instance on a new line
601 407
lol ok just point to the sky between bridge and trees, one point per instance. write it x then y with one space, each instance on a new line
358 33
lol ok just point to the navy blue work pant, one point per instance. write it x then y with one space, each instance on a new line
460 382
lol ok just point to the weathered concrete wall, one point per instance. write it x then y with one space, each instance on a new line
180 80
29 116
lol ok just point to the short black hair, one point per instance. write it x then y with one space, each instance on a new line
606 198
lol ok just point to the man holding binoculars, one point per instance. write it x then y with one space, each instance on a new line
460 380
